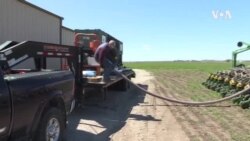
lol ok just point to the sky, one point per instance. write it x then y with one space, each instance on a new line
162 30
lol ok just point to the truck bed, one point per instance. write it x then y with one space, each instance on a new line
27 74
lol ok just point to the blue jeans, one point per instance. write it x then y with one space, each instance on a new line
108 67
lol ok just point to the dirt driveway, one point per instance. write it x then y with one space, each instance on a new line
129 115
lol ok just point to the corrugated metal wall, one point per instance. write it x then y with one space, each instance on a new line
68 36
21 22
67 39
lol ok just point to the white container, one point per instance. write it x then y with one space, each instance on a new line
89 73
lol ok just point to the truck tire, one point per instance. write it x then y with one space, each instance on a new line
51 126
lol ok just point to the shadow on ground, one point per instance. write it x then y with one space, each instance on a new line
97 120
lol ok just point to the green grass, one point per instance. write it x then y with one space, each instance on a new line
200 66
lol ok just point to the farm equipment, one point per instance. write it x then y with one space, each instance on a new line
231 81
236 52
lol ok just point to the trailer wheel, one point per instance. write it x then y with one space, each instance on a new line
128 83
124 85
51 126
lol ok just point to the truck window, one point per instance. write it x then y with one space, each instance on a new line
27 64
51 64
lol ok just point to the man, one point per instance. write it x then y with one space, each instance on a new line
106 56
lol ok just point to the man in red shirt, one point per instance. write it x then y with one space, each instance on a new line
106 56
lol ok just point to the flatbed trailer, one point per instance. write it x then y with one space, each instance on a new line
14 53
119 82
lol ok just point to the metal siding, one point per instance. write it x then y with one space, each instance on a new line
21 22
68 37
53 63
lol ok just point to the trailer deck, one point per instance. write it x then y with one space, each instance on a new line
115 79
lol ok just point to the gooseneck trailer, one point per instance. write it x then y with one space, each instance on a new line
14 53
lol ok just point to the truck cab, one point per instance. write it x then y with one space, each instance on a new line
34 103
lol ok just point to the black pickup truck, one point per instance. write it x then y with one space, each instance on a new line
34 105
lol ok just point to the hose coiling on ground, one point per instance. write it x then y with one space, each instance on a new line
186 102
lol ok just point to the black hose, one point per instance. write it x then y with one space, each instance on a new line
185 102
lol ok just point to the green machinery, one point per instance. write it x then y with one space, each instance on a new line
227 82
236 52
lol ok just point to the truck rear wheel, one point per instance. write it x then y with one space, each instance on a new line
51 126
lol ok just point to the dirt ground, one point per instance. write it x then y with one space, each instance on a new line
135 116
129 115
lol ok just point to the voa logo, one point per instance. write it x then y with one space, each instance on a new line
219 14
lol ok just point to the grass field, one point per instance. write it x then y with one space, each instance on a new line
182 80
199 66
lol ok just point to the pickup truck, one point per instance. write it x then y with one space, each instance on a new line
34 105
34 102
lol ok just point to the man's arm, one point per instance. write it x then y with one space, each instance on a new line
99 52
